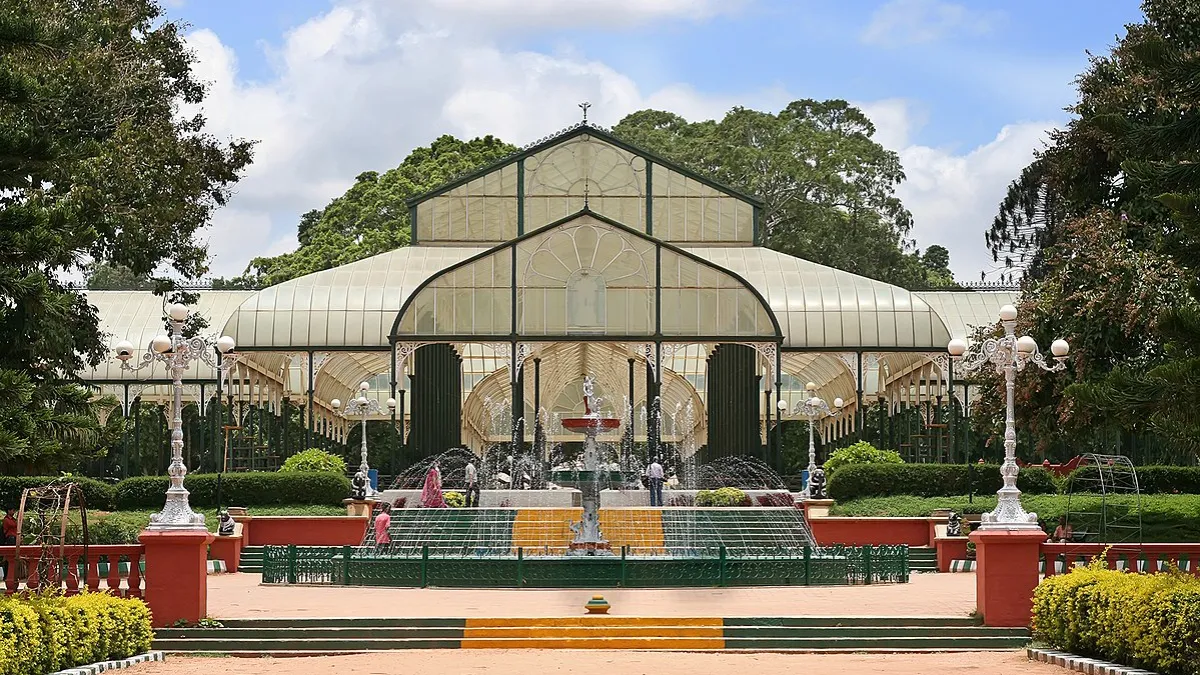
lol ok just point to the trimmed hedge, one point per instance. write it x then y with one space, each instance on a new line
1144 620
98 495
726 496
266 488
1152 480
856 481
49 633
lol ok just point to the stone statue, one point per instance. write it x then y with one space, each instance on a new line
816 484
358 488
954 525
225 528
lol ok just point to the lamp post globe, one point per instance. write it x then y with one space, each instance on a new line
1008 313
1059 348
178 312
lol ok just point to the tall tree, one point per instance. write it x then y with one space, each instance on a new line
371 217
96 163
829 188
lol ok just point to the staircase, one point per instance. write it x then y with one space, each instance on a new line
312 636
251 560
920 559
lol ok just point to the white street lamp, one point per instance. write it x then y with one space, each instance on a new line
361 405
1008 354
177 353
814 408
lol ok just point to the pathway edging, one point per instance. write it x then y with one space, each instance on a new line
105 666
1082 664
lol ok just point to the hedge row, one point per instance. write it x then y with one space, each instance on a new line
855 481
46 634
238 489
97 494
1148 621
1152 480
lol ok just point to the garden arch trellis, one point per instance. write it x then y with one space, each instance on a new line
1117 516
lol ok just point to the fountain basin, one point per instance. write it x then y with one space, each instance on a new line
582 425
573 477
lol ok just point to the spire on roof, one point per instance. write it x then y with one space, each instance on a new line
585 105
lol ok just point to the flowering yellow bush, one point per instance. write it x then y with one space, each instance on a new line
1145 620
47 633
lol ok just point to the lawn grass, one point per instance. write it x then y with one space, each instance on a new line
1164 518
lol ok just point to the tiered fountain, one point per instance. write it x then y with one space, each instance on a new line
591 479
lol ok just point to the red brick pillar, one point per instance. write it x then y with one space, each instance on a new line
176 575
1006 573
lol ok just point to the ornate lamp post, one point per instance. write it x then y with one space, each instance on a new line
1008 354
177 353
814 408
363 406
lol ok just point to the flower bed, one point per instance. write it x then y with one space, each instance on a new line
44 634
1150 621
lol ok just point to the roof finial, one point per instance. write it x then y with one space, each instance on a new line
585 105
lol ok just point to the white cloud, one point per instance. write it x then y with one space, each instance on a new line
529 14
907 22
360 86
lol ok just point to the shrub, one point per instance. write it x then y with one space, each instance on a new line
726 496
861 452
48 633
1151 479
314 460
97 495
240 489
1147 620
930 480
454 500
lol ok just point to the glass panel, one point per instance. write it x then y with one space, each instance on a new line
474 299
702 300
557 180
481 210
585 277
688 211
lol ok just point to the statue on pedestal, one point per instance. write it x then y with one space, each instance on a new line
816 484
358 489
954 525
225 528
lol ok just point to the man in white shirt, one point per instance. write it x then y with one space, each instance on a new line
472 486
654 473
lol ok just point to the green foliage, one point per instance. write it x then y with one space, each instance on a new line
314 460
1148 620
856 481
1165 518
99 164
829 188
454 500
48 633
1151 479
239 489
372 217
861 452
97 494
726 496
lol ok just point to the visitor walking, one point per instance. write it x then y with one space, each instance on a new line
8 536
431 494
472 486
654 473
383 524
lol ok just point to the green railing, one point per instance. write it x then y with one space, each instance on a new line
366 566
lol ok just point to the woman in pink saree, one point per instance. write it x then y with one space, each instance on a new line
431 494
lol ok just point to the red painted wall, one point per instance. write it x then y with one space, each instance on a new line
872 531
304 530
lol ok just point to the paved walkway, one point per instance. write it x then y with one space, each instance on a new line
242 596
562 662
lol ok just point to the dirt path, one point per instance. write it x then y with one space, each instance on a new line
242 596
421 662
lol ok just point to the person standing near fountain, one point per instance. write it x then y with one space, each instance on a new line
383 524
654 474
431 494
472 486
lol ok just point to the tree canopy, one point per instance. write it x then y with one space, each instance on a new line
97 164
1103 224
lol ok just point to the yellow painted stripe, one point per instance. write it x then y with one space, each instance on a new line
600 643
597 632
640 529
598 620
536 529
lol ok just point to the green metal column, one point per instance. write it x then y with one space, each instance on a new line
734 384
312 390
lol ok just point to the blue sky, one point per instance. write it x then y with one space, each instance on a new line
964 91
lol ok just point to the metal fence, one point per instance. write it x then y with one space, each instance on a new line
365 566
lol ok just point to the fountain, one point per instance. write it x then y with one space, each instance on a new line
591 479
